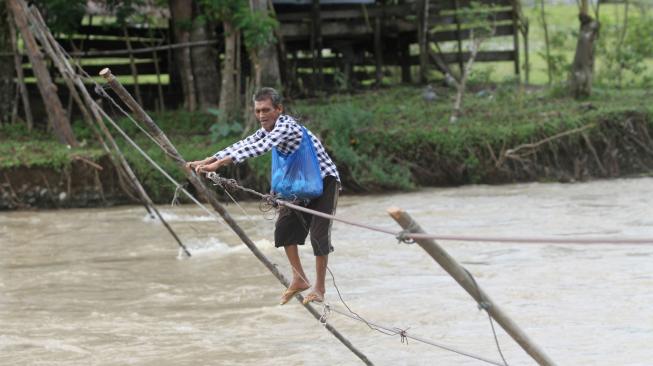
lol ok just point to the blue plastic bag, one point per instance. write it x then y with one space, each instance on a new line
297 175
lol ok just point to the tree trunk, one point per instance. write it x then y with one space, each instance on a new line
7 87
582 69
56 114
268 57
182 12
622 38
547 43
228 89
205 64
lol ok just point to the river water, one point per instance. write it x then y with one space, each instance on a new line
108 286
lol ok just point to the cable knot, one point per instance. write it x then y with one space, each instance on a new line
98 90
270 200
175 197
224 183
326 311
404 237
403 335
484 305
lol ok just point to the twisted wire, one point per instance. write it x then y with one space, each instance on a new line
404 235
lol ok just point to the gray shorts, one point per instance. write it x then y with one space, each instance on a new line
292 227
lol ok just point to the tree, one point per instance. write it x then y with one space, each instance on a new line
205 60
224 11
257 28
182 12
547 42
259 39
582 68
56 114
240 23
482 29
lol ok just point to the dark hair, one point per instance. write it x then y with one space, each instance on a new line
268 93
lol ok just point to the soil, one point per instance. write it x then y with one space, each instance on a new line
614 149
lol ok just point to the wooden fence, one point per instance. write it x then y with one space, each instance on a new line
331 45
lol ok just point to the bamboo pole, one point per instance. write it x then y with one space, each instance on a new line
465 280
65 69
211 197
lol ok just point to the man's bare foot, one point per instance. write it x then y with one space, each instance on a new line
314 296
296 286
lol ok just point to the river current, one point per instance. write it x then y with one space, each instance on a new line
110 287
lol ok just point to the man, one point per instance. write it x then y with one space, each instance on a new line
282 132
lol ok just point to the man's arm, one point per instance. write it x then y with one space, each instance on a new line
228 150
281 132
211 163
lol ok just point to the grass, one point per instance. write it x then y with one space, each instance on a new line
379 139
561 18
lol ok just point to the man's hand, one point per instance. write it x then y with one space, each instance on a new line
207 168
194 164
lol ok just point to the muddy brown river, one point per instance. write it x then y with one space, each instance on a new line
109 286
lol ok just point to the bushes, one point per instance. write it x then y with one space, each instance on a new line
381 140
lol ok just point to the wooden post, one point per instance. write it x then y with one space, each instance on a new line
159 88
378 49
316 45
423 41
48 89
465 280
132 64
18 62
211 197
515 38
404 57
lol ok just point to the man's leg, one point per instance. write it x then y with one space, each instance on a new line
321 262
321 236
299 280
288 229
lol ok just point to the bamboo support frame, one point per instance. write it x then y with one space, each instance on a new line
465 280
212 199
50 46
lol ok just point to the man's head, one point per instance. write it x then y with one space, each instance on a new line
267 107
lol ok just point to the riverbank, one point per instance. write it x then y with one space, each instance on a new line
383 140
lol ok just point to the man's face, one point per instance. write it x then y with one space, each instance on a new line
266 113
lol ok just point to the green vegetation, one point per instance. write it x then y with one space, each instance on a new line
381 140
563 29
392 138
